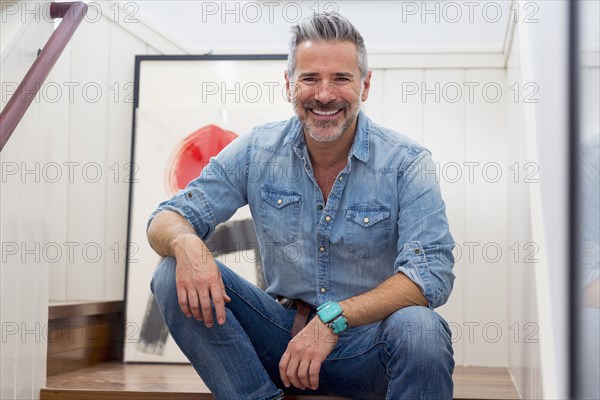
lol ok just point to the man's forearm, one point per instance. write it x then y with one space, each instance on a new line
375 305
166 230
198 279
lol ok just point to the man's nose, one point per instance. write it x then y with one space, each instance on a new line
326 92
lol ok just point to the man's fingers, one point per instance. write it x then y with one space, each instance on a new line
292 373
283 364
206 307
313 372
225 295
302 373
183 302
193 303
219 302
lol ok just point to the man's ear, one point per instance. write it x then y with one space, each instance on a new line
288 90
366 86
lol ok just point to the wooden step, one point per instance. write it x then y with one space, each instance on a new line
118 381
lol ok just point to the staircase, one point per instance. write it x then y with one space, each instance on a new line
119 381
84 363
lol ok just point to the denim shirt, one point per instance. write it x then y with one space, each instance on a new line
384 215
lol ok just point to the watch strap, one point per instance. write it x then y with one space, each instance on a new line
332 315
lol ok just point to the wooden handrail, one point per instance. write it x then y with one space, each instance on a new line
72 14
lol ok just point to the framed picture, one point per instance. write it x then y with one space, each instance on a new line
186 108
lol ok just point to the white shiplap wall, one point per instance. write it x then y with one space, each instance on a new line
462 131
24 206
95 126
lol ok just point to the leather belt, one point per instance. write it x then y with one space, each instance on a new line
302 312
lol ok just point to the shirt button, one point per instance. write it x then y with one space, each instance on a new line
321 249
366 220
341 178
279 201
323 290
320 207
189 195
328 218
417 251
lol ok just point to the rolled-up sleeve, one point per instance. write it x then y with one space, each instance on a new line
425 244
217 193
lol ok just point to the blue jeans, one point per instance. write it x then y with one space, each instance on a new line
406 356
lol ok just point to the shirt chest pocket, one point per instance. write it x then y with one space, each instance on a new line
368 230
280 214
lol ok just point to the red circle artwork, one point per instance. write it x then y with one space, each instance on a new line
193 153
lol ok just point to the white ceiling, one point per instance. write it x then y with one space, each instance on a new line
423 26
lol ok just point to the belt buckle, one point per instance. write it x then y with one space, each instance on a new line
285 302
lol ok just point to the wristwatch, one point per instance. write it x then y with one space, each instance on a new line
332 315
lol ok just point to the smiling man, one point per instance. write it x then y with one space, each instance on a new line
355 246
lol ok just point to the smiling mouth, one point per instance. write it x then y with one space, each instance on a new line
325 113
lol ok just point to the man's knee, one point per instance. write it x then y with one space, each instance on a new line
418 332
163 280
163 283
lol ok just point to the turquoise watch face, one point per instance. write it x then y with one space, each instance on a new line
339 325
328 311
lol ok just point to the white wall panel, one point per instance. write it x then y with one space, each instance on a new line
544 62
403 111
431 107
10 272
32 254
444 135
486 275
55 130
88 138
97 128
118 156
23 232
523 359
374 105
9 229
434 107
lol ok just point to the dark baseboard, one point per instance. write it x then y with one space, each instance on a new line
82 334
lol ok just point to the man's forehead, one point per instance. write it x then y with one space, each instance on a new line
338 74
330 54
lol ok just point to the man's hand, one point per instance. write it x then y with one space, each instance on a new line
301 363
198 281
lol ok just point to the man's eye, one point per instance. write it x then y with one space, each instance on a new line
342 80
309 81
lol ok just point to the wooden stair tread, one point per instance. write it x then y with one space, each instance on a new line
67 309
118 381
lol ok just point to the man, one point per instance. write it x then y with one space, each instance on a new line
348 217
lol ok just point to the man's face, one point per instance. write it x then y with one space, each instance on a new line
326 89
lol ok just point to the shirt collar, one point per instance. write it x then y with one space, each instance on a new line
360 146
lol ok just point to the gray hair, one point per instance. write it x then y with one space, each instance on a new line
327 27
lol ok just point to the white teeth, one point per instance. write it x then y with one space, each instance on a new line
318 112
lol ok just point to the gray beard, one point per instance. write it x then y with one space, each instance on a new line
313 130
